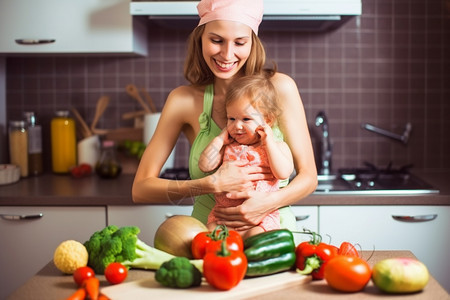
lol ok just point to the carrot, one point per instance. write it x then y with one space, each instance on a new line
80 294
92 286
102 297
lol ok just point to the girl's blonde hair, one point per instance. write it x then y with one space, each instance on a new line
197 72
261 92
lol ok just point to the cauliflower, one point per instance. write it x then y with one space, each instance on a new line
69 256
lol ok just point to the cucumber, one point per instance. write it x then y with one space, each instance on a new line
271 265
400 275
269 249
267 237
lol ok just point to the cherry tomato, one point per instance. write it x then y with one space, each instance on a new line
116 273
348 249
82 274
347 273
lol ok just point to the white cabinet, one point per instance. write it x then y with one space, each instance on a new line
146 217
64 26
394 228
307 219
29 239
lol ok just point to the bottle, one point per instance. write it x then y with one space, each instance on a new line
18 146
108 166
35 166
64 142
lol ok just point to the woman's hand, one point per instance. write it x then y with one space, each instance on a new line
250 213
235 176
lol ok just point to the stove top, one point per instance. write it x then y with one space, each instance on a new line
370 179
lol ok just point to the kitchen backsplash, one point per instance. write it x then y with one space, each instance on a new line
388 67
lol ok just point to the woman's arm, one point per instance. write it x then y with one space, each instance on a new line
294 126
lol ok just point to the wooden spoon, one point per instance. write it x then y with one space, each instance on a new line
85 131
133 91
149 100
102 103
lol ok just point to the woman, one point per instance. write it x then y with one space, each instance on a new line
223 47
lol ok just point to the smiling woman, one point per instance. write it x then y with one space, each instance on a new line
222 48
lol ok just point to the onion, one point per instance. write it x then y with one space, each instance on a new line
176 233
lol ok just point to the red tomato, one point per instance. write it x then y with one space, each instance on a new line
234 242
348 249
347 273
205 242
198 245
116 273
83 273
224 269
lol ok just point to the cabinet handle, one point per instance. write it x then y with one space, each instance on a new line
34 42
420 218
301 218
20 217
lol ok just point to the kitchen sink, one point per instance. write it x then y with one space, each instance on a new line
373 182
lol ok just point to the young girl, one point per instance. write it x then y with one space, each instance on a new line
251 107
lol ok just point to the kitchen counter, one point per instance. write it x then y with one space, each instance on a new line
49 283
63 190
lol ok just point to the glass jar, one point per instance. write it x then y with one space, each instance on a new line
64 142
18 146
108 166
35 166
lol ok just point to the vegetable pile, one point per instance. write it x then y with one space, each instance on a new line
225 259
114 244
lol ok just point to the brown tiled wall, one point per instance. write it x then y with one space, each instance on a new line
388 67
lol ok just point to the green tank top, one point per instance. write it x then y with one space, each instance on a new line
209 130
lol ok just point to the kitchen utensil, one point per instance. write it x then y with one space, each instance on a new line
133 114
102 103
133 91
85 130
149 100
150 289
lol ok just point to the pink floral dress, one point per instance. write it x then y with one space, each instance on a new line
253 155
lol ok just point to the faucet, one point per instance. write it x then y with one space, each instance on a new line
325 155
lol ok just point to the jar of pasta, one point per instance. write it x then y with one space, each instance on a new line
18 146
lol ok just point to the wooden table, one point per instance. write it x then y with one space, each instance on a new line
50 284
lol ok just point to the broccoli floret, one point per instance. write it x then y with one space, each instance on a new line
178 273
114 244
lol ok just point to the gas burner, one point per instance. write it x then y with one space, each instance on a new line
375 178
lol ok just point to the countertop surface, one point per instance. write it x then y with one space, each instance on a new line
49 283
63 190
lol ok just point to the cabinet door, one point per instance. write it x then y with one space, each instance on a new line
28 244
146 217
84 26
394 228
307 219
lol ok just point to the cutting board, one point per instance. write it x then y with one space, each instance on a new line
146 288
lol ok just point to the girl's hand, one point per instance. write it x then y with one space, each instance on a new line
265 132
225 136
250 213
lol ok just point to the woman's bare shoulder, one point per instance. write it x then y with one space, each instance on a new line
283 81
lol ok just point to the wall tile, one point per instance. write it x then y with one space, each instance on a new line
388 67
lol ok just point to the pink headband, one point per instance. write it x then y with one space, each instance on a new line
248 12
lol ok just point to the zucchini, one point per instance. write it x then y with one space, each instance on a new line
270 266
269 249
267 237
